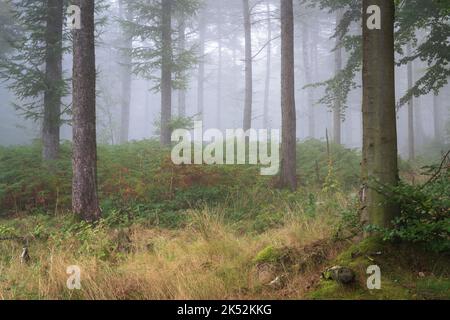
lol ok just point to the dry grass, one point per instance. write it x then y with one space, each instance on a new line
205 260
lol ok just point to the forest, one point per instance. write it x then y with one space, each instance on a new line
224 150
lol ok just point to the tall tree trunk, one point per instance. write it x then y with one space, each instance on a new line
268 69
219 70
379 115
84 185
419 130
182 44
337 110
288 177
201 65
248 67
166 72
411 142
437 118
53 75
307 66
126 70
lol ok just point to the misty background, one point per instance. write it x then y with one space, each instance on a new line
224 82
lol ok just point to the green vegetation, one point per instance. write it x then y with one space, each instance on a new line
407 272
425 211
225 229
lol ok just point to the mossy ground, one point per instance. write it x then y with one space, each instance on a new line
407 272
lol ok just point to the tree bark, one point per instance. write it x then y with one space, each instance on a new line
337 110
125 79
248 67
379 116
166 72
288 177
268 70
84 184
411 142
53 76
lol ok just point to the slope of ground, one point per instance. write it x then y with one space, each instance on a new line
407 272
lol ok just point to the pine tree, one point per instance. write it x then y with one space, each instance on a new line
154 57
53 75
288 146
248 66
268 68
126 66
84 184
33 68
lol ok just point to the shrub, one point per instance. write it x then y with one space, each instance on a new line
313 164
425 211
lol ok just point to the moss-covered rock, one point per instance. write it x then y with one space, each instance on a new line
407 272
269 254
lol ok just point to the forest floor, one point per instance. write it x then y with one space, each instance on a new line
199 232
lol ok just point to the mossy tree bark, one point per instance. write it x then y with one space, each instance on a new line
379 165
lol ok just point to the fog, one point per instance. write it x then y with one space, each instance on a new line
224 82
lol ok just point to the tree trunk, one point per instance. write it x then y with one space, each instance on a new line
248 67
201 65
288 177
166 72
125 79
419 132
379 116
411 142
220 63
337 110
437 118
84 185
307 66
147 119
268 69
53 75
182 43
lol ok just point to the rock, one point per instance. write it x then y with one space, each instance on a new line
339 274
25 256
278 282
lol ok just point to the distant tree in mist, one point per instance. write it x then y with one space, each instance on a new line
248 66
155 54
33 68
